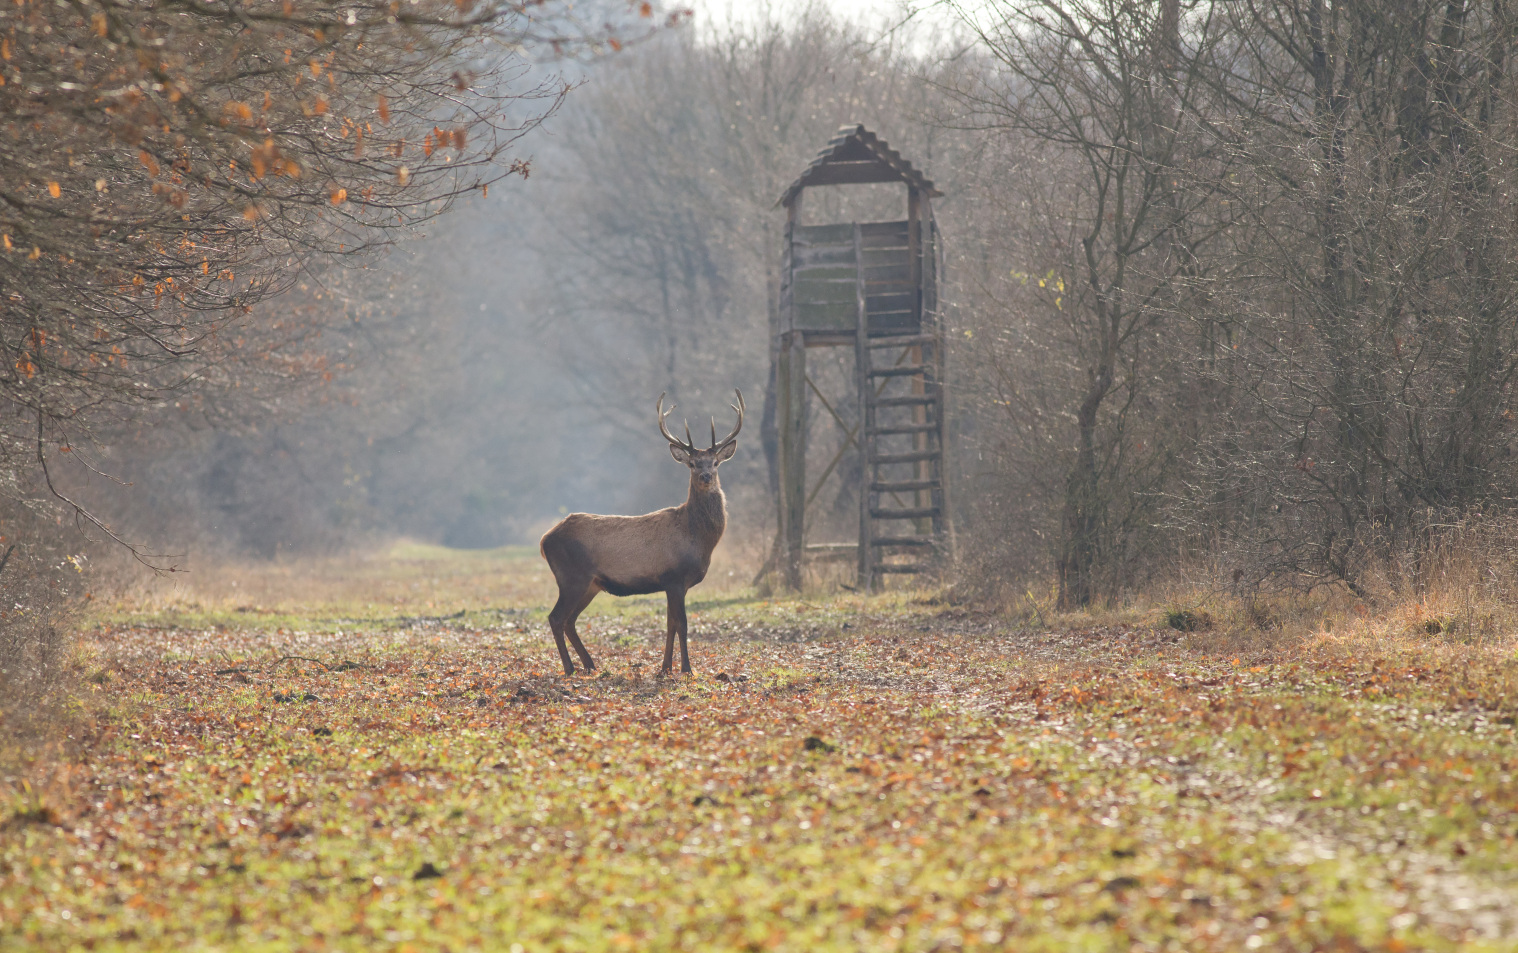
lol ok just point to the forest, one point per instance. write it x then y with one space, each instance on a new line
1202 633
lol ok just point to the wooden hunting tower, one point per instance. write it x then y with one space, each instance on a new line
871 286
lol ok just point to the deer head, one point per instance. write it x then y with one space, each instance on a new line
703 463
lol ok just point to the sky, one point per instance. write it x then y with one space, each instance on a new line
869 11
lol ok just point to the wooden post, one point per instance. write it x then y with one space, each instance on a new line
915 201
865 441
792 421
943 523
914 250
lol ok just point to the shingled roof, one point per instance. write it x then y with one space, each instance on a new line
856 155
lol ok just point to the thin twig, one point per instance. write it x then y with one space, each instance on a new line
80 513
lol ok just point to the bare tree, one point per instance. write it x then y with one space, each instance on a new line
1102 107
169 164
1371 317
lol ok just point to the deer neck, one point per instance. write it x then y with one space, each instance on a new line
706 513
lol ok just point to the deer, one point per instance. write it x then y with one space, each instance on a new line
667 551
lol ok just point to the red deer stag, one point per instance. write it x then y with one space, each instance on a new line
665 551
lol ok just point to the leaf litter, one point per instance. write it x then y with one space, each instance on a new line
866 775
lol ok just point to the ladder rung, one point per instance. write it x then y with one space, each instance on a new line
911 341
915 456
901 486
901 567
918 401
904 541
904 370
912 514
908 428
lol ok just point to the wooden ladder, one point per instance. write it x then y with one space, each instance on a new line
903 527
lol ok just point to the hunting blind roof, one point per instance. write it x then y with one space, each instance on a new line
856 156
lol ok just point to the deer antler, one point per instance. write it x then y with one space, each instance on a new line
738 407
687 445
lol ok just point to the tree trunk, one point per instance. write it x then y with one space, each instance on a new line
1083 503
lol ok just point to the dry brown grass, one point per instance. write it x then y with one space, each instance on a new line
1463 603
402 578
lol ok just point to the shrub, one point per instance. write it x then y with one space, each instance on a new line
1188 620
37 603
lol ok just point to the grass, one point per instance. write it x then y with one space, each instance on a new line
391 587
348 767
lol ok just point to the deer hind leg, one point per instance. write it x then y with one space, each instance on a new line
574 637
561 618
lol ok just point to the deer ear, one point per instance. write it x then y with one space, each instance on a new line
680 455
726 453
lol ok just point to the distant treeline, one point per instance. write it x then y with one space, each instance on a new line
1227 286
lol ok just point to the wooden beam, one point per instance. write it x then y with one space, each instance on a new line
829 338
791 416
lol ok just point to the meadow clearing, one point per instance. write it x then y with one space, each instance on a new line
383 754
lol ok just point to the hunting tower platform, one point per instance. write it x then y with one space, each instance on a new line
873 287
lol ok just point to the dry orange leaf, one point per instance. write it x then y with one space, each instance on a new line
53 189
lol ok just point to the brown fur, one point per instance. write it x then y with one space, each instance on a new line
666 551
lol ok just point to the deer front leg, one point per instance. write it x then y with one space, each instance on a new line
680 621
676 612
